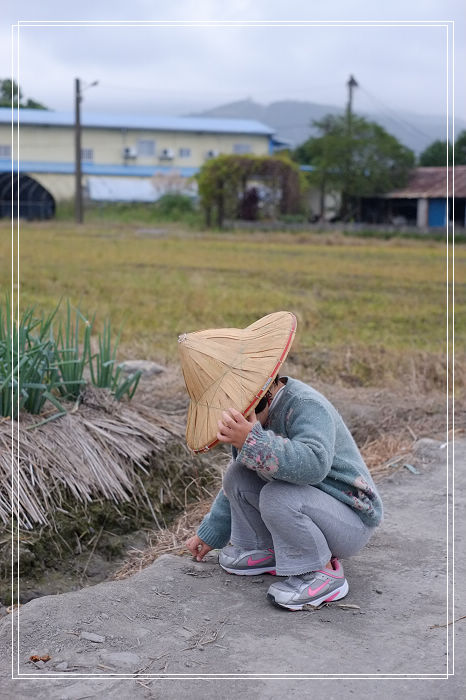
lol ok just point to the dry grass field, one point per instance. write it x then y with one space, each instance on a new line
370 312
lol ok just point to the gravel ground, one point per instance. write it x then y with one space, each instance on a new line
180 617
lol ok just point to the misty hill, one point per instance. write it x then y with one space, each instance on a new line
292 120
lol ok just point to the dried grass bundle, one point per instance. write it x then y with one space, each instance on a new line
386 453
95 451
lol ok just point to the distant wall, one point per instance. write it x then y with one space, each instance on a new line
55 145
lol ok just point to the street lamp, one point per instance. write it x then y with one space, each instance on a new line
78 207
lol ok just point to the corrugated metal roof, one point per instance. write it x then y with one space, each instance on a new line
123 189
38 117
111 189
431 183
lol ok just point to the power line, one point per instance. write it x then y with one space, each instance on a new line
395 118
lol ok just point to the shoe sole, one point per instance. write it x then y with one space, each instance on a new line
337 594
249 572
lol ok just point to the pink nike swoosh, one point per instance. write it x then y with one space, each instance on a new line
316 590
252 561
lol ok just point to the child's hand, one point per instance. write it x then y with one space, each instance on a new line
234 427
197 547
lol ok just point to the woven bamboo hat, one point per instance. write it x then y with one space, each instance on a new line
231 367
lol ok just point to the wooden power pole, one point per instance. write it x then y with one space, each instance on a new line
351 84
349 109
78 205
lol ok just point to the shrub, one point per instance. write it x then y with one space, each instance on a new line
174 206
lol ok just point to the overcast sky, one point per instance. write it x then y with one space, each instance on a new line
176 70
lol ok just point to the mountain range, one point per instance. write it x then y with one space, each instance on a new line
292 120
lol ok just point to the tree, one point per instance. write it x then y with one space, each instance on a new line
364 163
9 87
436 154
460 148
322 153
224 183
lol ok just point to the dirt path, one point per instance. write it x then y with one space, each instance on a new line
180 617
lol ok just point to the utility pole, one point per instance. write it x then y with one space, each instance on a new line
349 109
351 84
78 205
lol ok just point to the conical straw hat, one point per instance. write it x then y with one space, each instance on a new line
231 367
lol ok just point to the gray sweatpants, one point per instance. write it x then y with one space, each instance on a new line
304 525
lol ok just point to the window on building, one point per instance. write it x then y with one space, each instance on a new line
184 153
5 151
240 148
87 154
146 147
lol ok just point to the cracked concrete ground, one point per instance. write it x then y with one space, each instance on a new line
180 617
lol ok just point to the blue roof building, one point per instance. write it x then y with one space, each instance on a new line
139 157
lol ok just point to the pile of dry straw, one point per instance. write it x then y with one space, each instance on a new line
100 449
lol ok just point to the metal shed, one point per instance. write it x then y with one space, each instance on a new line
431 192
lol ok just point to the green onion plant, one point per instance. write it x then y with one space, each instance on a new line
37 366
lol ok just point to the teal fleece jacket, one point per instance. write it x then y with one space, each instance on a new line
305 441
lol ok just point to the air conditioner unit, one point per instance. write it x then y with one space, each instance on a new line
213 153
129 152
166 154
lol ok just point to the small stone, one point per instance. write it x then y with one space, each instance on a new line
104 616
377 590
145 366
91 637
62 666
121 659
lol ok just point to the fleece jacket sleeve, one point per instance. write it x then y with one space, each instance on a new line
215 529
305 456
